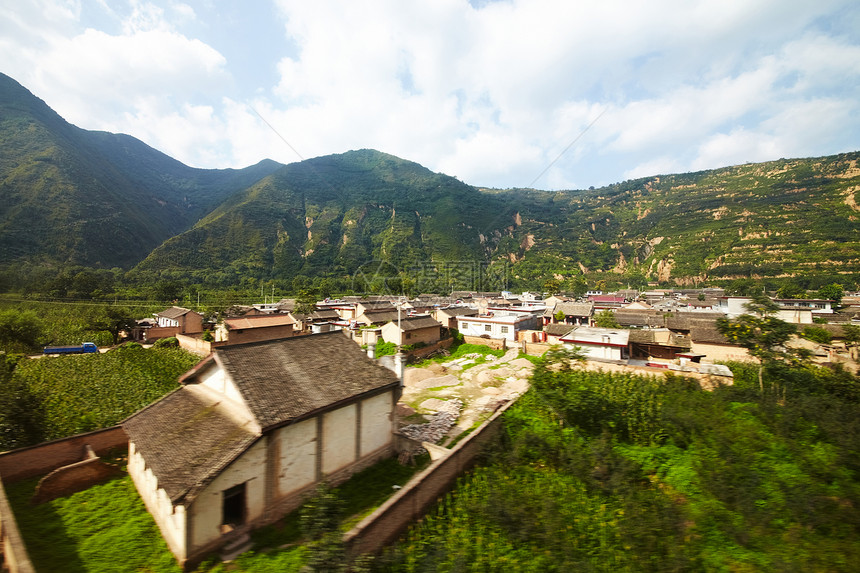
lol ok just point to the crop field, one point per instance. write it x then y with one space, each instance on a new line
54 397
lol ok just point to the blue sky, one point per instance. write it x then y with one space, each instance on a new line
552 94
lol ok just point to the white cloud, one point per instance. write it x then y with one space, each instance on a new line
493 93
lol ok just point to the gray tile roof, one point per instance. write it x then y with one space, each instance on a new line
417 323
174 312
283 380
558 329
572 309
186 441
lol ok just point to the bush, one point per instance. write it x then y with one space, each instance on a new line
170 342
817 334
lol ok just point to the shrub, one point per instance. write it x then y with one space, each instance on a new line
817 334
170 342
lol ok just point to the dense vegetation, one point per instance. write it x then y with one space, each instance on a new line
55 397
608 472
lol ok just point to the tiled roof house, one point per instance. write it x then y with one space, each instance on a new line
252 428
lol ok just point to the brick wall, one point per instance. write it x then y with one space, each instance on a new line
409 504
24 463
494 343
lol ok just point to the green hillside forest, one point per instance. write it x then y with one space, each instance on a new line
74 201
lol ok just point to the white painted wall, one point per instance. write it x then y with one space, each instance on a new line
205 511
170 519
376 423
216 379
297 456
596 351
339 438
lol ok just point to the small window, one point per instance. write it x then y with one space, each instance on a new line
233 506
488 327
465 325
505 329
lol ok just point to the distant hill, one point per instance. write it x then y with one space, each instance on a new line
334 214
776 219
71 196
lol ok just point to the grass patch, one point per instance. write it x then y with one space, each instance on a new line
106 528
101 530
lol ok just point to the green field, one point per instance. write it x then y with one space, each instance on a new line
607 472
54 397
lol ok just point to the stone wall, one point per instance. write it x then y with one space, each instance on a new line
494 343
409 504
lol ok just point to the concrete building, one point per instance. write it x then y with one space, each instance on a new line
252 428
606 343
412 330
499 326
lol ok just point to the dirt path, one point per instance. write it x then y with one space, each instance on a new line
479 385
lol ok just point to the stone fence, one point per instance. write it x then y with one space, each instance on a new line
410 503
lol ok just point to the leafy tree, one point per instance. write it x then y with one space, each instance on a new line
762 334
576 286
319 520
21 330
116 320
832 292
559 316
606 319
791 290
552 286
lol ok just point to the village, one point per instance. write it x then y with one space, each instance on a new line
282 400
659 328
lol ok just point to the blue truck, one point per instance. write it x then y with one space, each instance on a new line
85 348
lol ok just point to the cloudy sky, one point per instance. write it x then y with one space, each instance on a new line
550 94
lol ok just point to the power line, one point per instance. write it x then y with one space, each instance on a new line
577 138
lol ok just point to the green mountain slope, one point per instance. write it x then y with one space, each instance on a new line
75 197
335 214
71 196
781 218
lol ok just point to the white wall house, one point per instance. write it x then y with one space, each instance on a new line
497 326
251 429
605 343
796 311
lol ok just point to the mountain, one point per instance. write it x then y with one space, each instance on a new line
782 218
74 197
71 196
334 215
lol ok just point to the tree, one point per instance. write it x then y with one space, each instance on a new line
117 320
552 285
791 290
832 292
559 316
20 330
606 319
762 334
